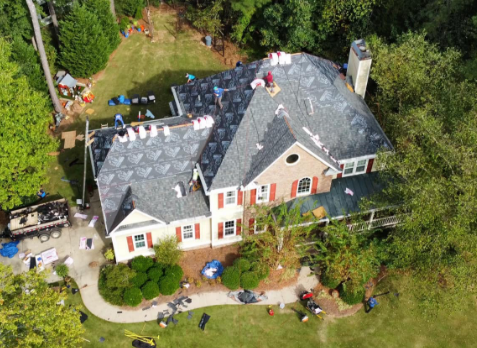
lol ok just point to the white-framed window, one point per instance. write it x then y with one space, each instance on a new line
356 167
230 198
259 227
188 232
304 187
229 228
139 241
263 194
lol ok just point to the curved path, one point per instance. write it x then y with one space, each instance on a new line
100 308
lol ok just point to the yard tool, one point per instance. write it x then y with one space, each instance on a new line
384 293
146 339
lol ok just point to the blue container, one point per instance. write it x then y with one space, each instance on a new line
208 41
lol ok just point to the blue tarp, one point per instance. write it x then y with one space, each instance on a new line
213 264
9 249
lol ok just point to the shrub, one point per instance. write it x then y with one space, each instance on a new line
168 285
123 24
62 270
212 282
118 276
138 14
231 278
109 254
329 282
139 279
198 283
249 280
150 290
128 7
351 295
175 272
243 265
219 280
132 297
113 296
167 251
142 263
261 269
155 273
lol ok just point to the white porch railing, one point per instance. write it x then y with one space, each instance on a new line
375 223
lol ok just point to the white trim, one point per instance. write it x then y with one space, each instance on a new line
248 188
259 188
144 252
235 199
193 232
355 165
147 228
202 180
135 209
102 210
178 103
318 158
294 163
235 228
188 221
134 241
368 157
152 217
255 228
298 186
226 189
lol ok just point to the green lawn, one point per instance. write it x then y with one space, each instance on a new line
396 322
137 66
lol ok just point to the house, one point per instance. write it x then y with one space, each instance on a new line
311 138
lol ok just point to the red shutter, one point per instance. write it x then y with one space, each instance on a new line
238 228
370 165
253 197
130 244
341 174
221 230
251 225
273 189
149 240
314 186
179 234
294 188
240 198
221 200
197 231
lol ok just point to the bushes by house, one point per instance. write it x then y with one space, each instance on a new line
249 280
244 274
351 294
329 281
121 284
231 278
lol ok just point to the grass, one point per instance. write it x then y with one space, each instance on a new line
137 66
395 322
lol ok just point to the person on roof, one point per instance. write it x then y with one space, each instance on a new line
218 93
41 193
118 118
190 78
238 64
269 79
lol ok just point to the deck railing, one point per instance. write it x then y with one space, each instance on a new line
375 223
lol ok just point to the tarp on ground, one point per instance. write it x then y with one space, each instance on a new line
247 296
213 269
9 249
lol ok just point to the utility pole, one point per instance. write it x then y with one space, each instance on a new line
85 163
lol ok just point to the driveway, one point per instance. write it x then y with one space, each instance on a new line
68 246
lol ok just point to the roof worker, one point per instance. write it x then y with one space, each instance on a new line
218 92
238 64
118 118
269 79
190 78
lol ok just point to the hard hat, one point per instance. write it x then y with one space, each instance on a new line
216 88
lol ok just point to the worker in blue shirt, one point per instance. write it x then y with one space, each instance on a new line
218 93
371 304
42 194
118 118
190 78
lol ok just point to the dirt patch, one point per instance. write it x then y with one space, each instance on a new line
194 261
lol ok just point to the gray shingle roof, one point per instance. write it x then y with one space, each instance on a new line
341 120
336 202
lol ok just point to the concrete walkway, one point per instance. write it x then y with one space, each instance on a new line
96 305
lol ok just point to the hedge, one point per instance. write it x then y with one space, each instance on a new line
139 279
174 272
133 297
168 285
351 296
329 281
150 290
249 280
155 273
243 265
231 278
261 269
141 263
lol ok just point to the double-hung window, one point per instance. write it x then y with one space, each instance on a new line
139 241
304 187
229 228
187 232
231 198
263 194
259 227
357 167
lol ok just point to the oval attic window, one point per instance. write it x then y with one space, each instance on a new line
292 159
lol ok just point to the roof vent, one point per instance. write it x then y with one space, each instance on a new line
153 131
132 135
309 106
142 132
167 132
180 189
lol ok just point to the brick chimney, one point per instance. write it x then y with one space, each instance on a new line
359 65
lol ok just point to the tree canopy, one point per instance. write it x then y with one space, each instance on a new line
31 314
24 144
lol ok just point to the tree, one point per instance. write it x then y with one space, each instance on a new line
31 315
207 20
128 7
284 239
431 116
24 144
102 9
43 59
168 251
346 256
84 47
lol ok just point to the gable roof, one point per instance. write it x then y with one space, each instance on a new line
341 122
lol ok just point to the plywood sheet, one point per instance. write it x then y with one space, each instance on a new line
276 90
70 138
